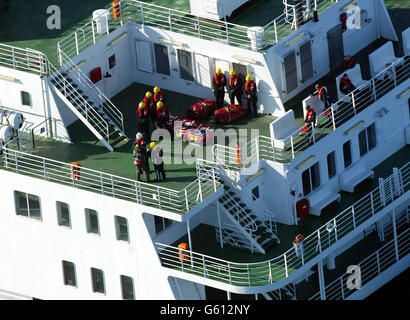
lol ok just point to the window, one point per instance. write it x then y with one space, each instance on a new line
63 214
91 217
127 286
25 98
161 223
121 226
97 276
161 59
69 274
331 164
311 179
255 193
112 62
27 205
347 154
185 65
367 139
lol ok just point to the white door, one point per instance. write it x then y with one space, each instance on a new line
202 72
111 76
144 57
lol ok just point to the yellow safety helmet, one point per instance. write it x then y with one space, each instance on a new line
160 104
142 104
157 89
232 72
218 71
249 77
148 94
152 144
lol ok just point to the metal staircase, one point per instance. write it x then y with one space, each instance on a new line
100 123
260 233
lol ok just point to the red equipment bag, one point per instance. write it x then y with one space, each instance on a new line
200 134
229 114
201 109
186 124
172 118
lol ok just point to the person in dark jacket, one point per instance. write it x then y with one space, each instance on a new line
235 88
161 116
141 162
218 84
143 117
251 96
346 86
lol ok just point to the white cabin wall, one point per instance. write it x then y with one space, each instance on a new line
267 102
35 249
43 104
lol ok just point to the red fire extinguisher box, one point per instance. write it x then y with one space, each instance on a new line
302 208
96 75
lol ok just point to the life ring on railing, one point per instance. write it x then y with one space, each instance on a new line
299 238
75 171
182 251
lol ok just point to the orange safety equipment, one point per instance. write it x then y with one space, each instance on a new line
237 153
116 9
320 91
233 81
182 251
347 82
75 171
309 115
216 78
299 238
161 112
252 86
158 96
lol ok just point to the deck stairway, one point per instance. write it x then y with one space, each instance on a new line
260 233
100 123
288 292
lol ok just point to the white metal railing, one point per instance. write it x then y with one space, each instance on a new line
106 184
28 60
291 19
279 268
93 92
156 16
370 267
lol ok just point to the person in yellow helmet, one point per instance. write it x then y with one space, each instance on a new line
156 156
161 115
235 87
251 95
218 84
143 116
158 95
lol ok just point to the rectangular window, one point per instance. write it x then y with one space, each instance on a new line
112 61
97 276
161 59
25 98
255 193
362 143
121 226
127 286
63 214
371 136
185 65
91 217
347 154
311 179
27 205
331 164
69 274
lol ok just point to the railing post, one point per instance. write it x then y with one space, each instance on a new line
159 198
112 186
286 265
204 266
292 147
200 189
170 19
318 240
45 169
373 89
92 28
378 261
213 177
353 218
276 30
76 43
353 103
372 203
334 223
229 273
227 34
313 133
341 287
396 248
382 192
199 27
333 118
186 200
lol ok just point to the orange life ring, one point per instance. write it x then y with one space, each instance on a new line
182 251
299 238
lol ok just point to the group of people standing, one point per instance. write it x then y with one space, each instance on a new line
151 111
235 89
